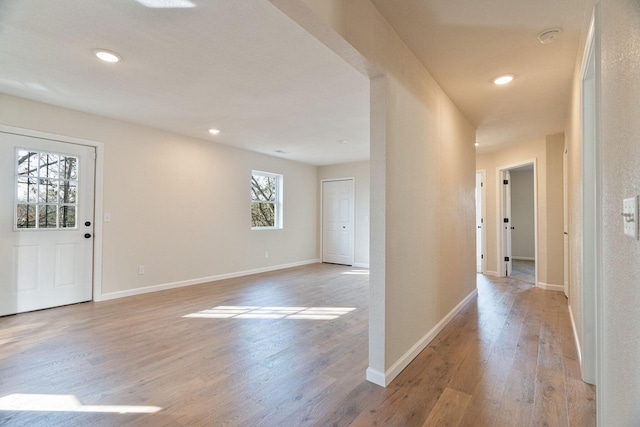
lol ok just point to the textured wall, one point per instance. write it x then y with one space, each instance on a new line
619 390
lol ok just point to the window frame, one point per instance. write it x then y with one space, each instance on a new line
278 205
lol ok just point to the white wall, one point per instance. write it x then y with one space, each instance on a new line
522 215
618 390
422 181
359 171
180 206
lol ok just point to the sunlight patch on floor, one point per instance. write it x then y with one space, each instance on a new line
252 312
65 403
358 272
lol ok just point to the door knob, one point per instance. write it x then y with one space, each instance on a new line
87 236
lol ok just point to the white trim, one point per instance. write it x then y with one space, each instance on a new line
523 258
360 265
576 339
395 369
492 273
591 206
376 377
551 287
190 282
98 193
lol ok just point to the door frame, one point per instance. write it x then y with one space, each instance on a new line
590 349
565 221
483 213
98 194
353 217
500 209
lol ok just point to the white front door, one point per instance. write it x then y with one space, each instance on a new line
46 223
337 221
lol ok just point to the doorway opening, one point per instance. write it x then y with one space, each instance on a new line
480 227
518 222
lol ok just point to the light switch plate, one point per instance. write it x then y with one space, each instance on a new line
630 217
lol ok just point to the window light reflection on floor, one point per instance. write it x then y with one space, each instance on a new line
65 403
358 272
254 312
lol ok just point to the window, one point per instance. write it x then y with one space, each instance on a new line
46 190
266 200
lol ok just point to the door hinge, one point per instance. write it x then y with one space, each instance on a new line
506 258
482 256
93 154
481 220
505 182
482 184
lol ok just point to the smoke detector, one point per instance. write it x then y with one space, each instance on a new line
549 36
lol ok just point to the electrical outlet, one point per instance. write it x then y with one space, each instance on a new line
141 270
630 217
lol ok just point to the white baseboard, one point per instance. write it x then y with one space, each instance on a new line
523 258
360 265
395 369
376 377
173 285
550 287
575 336
492 273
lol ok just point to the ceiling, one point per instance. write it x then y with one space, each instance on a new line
239 66
466 44
245 68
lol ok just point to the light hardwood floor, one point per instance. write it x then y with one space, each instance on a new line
507 359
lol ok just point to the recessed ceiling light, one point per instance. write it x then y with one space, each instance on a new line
343 141
477 144
503 80
106 55
214 131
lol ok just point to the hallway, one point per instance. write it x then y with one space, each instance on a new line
508 359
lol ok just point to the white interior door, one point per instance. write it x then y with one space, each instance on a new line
479 223
338 221
46 223
506 221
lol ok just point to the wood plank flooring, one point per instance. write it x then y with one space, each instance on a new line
288 348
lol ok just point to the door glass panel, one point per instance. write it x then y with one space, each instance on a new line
27 189
46 190
67 216
26 216
47 216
